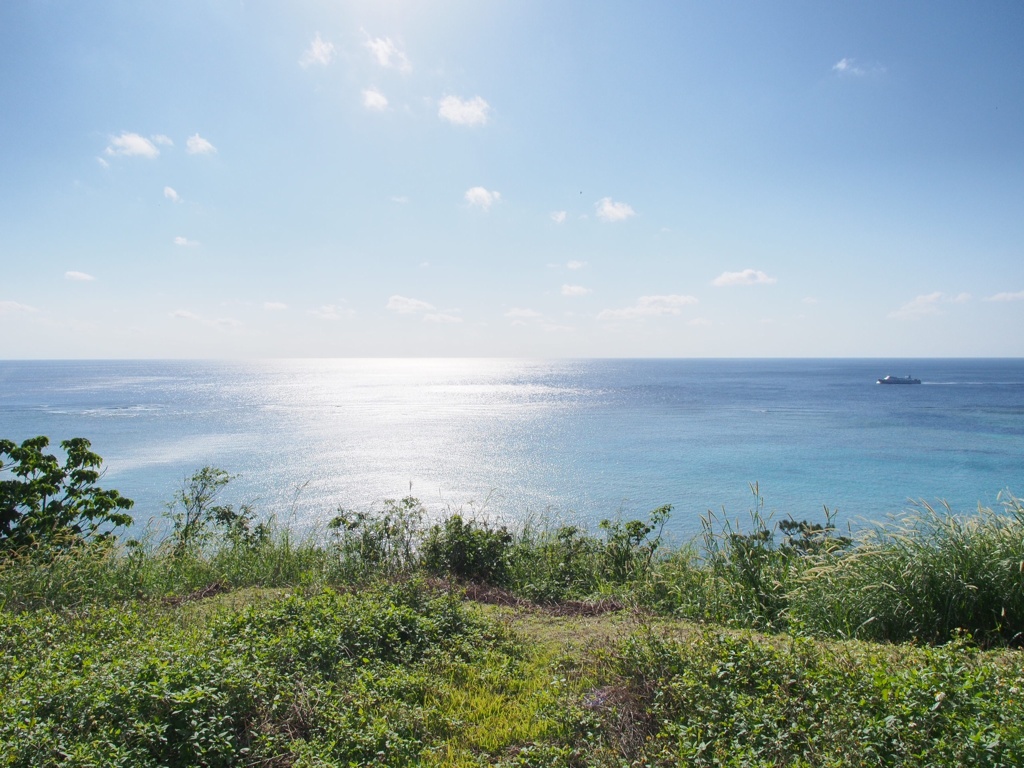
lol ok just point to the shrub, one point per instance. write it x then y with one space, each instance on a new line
629 546
383 543
469 550
547 566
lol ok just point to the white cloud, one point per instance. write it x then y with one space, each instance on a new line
921 306
374 100
699 322
387 53
576 264
184 314
274 306
171 194
131 145
81 277
441 317
574 290
406 306
1007 296
809 300
649 306
608 210
851 68
517 313
184 242
197 145
746 277
10 307
400 199
558 217
162 140
482 198
331 312
458 111
319 52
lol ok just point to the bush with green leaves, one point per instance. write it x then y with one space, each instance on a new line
469 550
547 565
46 504
377 543
630 547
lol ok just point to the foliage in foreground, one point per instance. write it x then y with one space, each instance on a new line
402 675
318 679
716 698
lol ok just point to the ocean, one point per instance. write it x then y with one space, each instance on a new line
556 440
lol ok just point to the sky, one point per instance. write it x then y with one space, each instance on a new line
254 179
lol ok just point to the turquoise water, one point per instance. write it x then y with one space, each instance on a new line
573 439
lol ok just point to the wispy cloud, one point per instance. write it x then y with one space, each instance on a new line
184 314
131 145
80 277
852 68
609 210
575 264
400 199
482 198
575 290
458 111
374 100
387 53
184 242
274 306
162 140
746 277
558 217
171 194
650 306
406 306
197 145
10 307
319 52
331 312
928 304
1007 296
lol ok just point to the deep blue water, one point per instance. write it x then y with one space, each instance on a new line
573 439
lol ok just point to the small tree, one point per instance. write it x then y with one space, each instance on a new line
48 504
194 510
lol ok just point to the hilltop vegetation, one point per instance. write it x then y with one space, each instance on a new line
391 639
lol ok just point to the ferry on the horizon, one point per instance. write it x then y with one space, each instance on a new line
898 380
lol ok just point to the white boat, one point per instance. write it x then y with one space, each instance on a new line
898 380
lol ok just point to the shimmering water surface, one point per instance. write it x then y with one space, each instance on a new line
574 439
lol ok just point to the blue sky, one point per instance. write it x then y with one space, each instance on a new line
560 179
